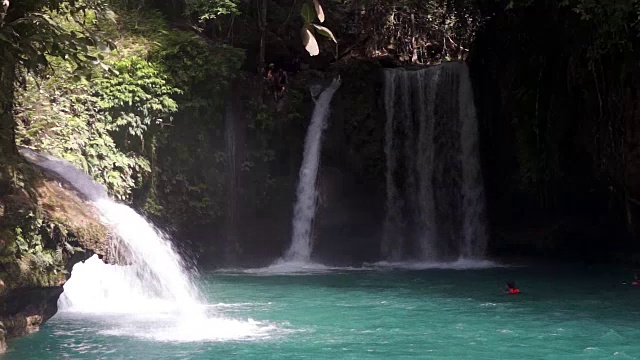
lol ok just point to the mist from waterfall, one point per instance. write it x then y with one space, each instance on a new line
305 207
435 194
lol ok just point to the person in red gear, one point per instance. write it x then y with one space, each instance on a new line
269 72
276 80
511 288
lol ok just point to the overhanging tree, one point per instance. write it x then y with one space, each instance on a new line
29 35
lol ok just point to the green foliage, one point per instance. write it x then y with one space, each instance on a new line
32 32
188 187
194 66
32 247
47 260
99 124
211 9
27 235
309 14
413 31
150 128
612 23
30 256
137 98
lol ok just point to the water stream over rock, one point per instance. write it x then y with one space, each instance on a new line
152 294
435 193
305 208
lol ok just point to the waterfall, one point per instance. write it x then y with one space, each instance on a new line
435 194
305 207
155 277
152 295
232 183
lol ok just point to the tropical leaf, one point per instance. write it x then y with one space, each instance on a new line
319 10
309 41
307 13
325 32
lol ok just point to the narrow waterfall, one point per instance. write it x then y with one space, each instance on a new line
155 277
435 194
232 183
305 208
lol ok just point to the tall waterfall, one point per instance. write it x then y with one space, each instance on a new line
435 194
231 250
305 208
154 279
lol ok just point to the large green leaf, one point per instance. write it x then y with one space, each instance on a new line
309 41
319 11
325 32
308 14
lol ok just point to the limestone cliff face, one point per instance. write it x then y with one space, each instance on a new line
45 228
560 144
351 182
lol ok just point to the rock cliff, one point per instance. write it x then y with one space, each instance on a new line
45 228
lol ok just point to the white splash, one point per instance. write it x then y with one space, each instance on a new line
304 269
204 330
96 287
305 209
460 264
153 295
292 268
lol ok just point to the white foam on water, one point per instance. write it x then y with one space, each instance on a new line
203 330
96 287
104 292
153 296
282 267
460 264
156 279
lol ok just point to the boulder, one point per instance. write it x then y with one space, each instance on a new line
46 227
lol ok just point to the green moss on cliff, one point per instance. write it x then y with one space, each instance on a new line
43 223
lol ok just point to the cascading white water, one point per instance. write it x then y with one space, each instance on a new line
152 290
156 269
305 207
435 194
155 272
474 228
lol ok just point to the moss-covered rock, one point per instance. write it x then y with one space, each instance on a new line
45 228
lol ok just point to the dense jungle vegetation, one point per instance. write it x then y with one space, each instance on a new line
166 103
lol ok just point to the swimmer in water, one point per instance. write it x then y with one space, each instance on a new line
511 288
635 281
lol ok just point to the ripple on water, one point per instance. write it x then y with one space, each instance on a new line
361 315
460 264
204 330
294 268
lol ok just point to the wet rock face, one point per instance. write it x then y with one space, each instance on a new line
351 182
348 222
24 310
3 343
45 228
